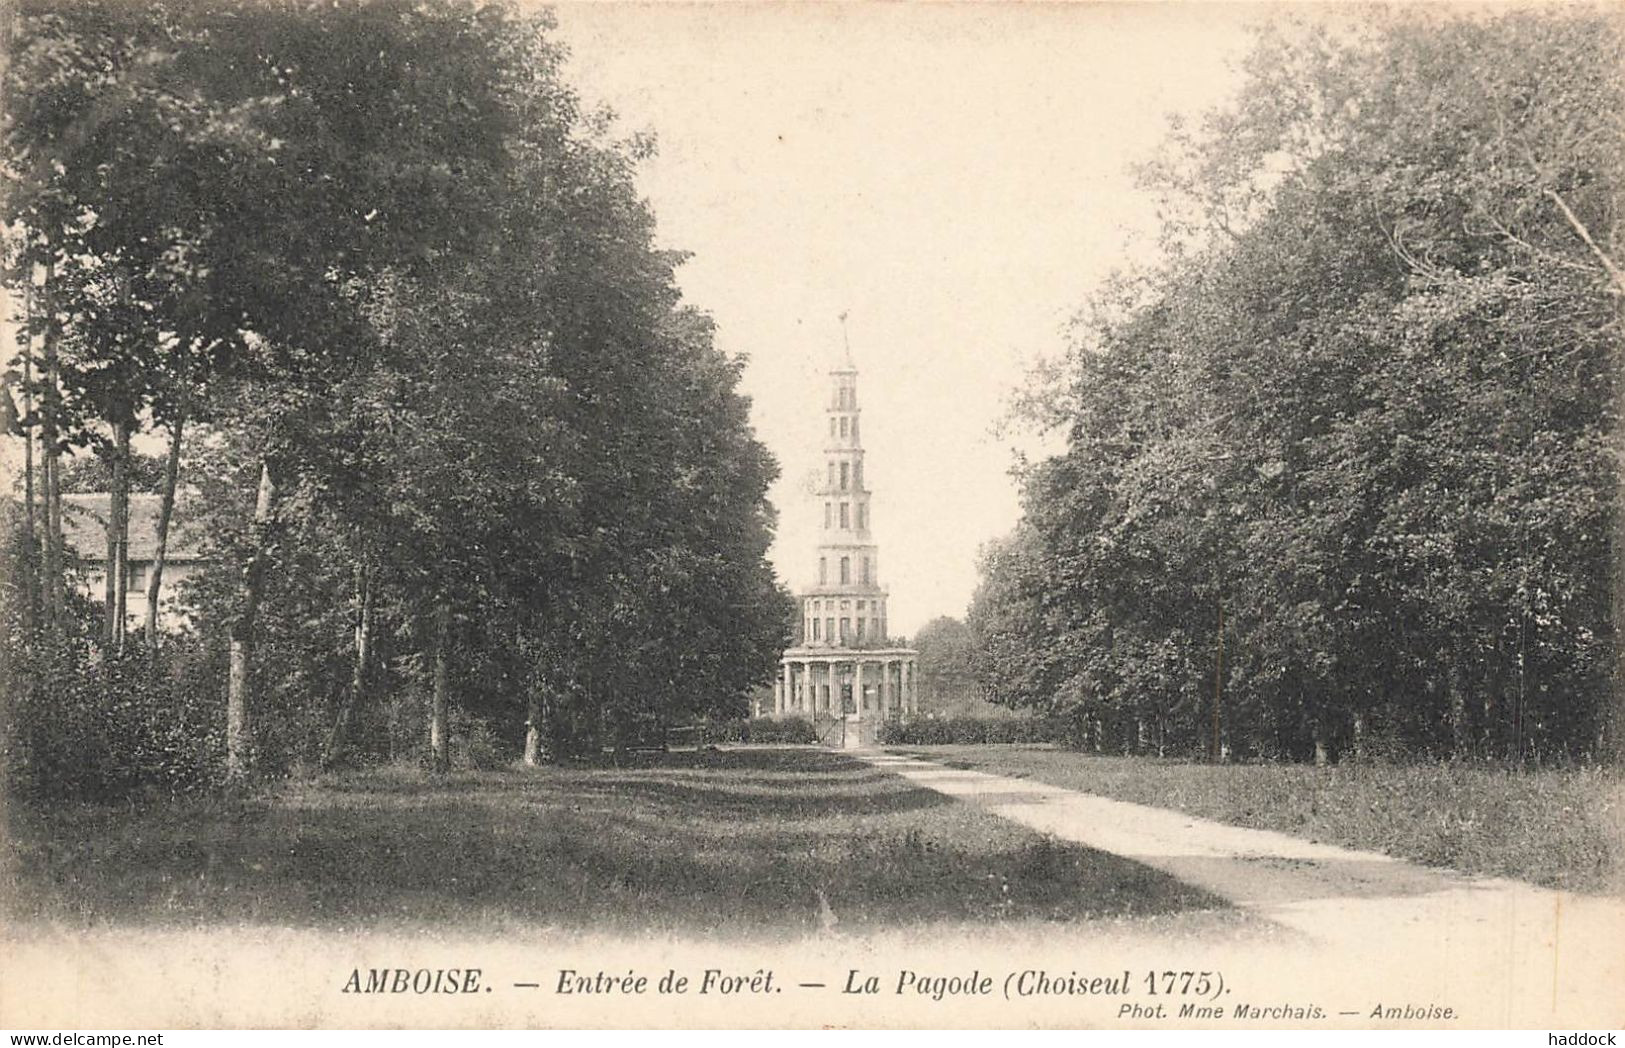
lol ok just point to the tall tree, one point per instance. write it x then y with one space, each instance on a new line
1342 469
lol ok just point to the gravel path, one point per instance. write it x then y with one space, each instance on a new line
1533 951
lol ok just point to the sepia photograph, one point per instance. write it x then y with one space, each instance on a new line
811 516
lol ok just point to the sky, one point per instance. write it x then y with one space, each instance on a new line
955 178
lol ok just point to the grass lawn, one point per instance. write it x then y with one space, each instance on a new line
735 843
1561 829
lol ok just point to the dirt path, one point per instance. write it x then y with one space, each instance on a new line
1534 948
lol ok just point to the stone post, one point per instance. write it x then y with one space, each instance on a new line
857 687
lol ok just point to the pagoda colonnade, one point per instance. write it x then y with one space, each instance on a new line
876 684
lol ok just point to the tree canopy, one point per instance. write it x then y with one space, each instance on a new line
462 452
1342 472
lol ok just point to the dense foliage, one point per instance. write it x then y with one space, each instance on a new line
1341 474
946 681
757 731
469 473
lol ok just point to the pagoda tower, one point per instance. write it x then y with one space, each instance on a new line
843 674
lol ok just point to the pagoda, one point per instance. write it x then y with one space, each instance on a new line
844 675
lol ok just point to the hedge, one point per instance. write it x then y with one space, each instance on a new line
942 731
759 730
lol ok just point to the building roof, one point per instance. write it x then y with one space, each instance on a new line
849 654
84 528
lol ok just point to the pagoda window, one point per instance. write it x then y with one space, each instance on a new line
857 474
860 629
866 570
863 515
823 570
832 474
846 515
846 476
846 569
815 635
829 630
845 422
826 514
846 630
832 425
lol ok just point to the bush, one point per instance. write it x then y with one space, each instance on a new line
778 730
756 730
945 731
475 745
100 729
711 732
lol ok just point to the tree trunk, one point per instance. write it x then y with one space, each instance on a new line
55 595
439 755
1613 727
1218 684
109 584
166 508
31 573
358 670
1520 709
1460 740
118 513
1322 757
53 585
121 551
239 697
533 731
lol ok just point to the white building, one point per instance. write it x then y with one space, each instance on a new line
84 535
843 674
